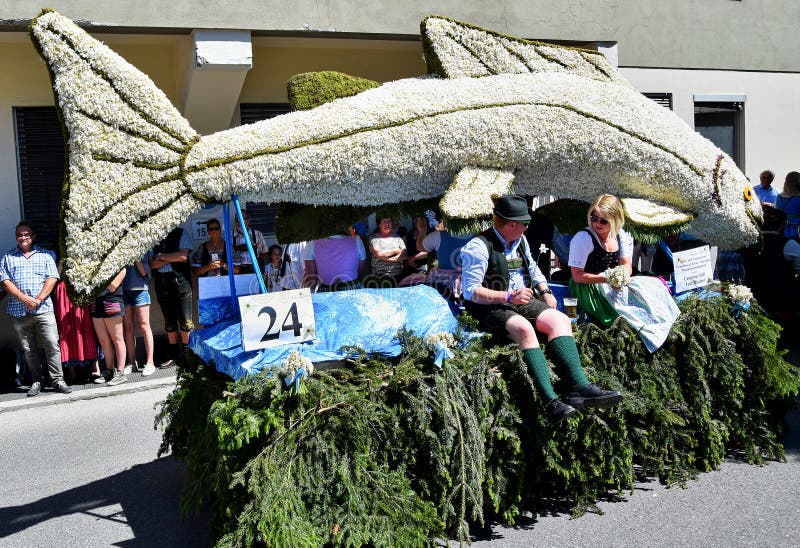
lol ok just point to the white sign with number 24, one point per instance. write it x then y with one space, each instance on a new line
272 319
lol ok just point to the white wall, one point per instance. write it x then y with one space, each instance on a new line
771 111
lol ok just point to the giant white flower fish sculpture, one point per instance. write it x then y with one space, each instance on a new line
496 113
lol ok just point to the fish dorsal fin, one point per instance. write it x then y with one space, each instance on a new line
458 50
648 221
467 203
311 89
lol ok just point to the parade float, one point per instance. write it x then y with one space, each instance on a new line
421 428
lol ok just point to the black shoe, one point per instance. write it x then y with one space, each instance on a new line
35 389
558 410
592 395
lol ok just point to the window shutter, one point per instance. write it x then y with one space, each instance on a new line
41 161
663 99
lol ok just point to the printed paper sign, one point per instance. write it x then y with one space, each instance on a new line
210 287
693 268
272 319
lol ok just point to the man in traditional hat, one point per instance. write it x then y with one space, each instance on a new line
499 275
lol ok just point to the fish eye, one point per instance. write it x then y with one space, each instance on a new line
748 193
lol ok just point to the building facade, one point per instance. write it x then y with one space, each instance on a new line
730 68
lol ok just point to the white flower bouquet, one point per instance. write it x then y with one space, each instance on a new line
739 294
618 277
444 338
295 367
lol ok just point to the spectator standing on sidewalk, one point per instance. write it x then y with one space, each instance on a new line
766 194
136 296
107 312
76 339
293 266
240 245
29 275
172 280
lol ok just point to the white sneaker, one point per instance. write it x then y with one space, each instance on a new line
148 370
128 369
118 378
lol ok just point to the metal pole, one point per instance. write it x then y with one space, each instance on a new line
252 253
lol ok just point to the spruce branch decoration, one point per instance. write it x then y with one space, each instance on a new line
394 452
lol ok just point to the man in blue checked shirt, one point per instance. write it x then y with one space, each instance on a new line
29 275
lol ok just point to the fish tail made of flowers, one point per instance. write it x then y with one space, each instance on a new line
126 181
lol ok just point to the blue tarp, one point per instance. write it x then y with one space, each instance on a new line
364 318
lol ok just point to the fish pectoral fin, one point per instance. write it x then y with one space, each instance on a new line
648 221
456 50
467 203
311 89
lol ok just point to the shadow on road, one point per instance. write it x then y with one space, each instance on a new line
148 494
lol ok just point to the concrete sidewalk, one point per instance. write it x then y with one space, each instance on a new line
17 399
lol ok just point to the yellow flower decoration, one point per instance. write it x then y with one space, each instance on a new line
748 193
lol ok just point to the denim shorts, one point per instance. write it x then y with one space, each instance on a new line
136 297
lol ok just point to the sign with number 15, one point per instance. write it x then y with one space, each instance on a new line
272 319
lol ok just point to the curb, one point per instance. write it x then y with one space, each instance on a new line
56 399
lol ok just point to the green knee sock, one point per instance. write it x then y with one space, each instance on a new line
564 353
540 371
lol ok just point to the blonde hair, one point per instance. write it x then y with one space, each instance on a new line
611 208
791 185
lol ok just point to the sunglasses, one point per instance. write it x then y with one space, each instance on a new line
600 220
213 228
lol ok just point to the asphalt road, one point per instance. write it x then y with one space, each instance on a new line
739 505
86 474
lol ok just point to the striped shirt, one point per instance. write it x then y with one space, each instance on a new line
29 275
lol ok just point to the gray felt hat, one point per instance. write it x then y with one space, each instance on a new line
513 208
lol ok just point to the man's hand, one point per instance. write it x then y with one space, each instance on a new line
550 300
31 303
523 295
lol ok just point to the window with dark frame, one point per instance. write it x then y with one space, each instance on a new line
721 123
40 161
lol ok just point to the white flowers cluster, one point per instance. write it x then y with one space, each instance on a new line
444 338
463 50
617 277
559 134
479 184
294 362
739 294
126 146
568 125
645 212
